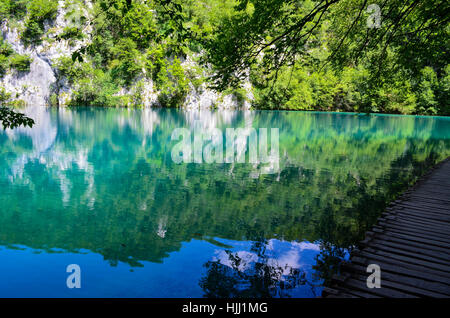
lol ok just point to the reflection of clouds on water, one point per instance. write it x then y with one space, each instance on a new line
248 258
264 268
44 150
143 120
57 162
306 246
292 258
210 118
65 117
139 120
56 156
149 120
43 133
206 121
282 254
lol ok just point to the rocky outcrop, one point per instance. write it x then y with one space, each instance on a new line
36 86
43 85
33 87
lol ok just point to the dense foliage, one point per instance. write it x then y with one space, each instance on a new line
326 55
10 60
131 41
298 54
10 118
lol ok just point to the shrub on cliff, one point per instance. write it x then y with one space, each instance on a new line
20 62
38 12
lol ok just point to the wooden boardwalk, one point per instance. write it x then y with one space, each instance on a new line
410 243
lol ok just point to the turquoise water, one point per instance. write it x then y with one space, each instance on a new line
98 188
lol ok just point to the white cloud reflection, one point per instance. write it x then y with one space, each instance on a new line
289 257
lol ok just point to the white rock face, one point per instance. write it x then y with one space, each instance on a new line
143 87
37 86
204 98
33 87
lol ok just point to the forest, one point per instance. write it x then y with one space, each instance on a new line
326 55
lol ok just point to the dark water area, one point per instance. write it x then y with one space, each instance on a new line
98 188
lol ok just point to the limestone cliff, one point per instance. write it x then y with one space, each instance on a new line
44 84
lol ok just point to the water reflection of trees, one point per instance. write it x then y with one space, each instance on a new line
337 240
105 182
259 277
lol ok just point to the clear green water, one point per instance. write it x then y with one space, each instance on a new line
98 188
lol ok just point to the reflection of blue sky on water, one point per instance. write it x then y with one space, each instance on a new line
280 254
25 272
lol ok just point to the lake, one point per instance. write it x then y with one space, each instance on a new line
99 188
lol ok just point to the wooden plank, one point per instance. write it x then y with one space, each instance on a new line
383 292
410 243
340 296
427 198
421 211
430 217
406 253
425 288
430 225
404 289
420 229
436 189
435 200
412 233
401 262
440 183
440 255
354 292
402 268
409 258
335 293
429 208
412 237
432 192
414 227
